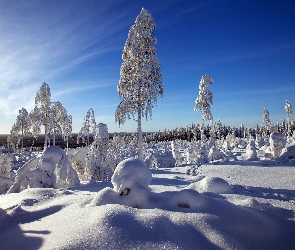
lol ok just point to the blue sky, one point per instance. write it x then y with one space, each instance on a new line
248 47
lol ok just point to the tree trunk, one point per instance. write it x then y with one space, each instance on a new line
22 141
288 119
53 137
140 145
45 142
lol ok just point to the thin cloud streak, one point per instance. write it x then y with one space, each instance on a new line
79 87
281 49
32 52
260 92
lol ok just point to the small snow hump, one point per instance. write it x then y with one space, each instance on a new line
215 185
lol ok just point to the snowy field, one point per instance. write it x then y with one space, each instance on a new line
228 205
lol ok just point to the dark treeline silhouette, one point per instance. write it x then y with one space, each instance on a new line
190 133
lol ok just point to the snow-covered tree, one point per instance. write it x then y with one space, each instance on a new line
140 78
58 119
22 126
204 99
24 123
218 129
41 113
88 127
67 129
266 120
13 139
52 115
288 108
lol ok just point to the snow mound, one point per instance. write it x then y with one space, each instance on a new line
187 198
129 173
215 185
131 181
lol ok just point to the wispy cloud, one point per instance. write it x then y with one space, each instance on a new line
262 92
278 50
78 87
40 41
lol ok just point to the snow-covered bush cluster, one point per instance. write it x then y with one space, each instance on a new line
51 170
58 168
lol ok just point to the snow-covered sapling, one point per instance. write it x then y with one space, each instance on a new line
88 127
96 159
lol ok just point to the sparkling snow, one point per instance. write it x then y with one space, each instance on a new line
232 205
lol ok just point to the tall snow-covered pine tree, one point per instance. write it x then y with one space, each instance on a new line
204 99
140 78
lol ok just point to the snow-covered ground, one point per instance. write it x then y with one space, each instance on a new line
229 205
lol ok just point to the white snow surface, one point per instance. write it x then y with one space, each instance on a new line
227 205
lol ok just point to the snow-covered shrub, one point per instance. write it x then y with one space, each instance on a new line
95 170
215 154
51 170
101 140
288 152
177 153
78 161
120 148
96 160
154 160
226 146
5 165
55 160
230 142
196 154
251 153
277 143
24 176
260 141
